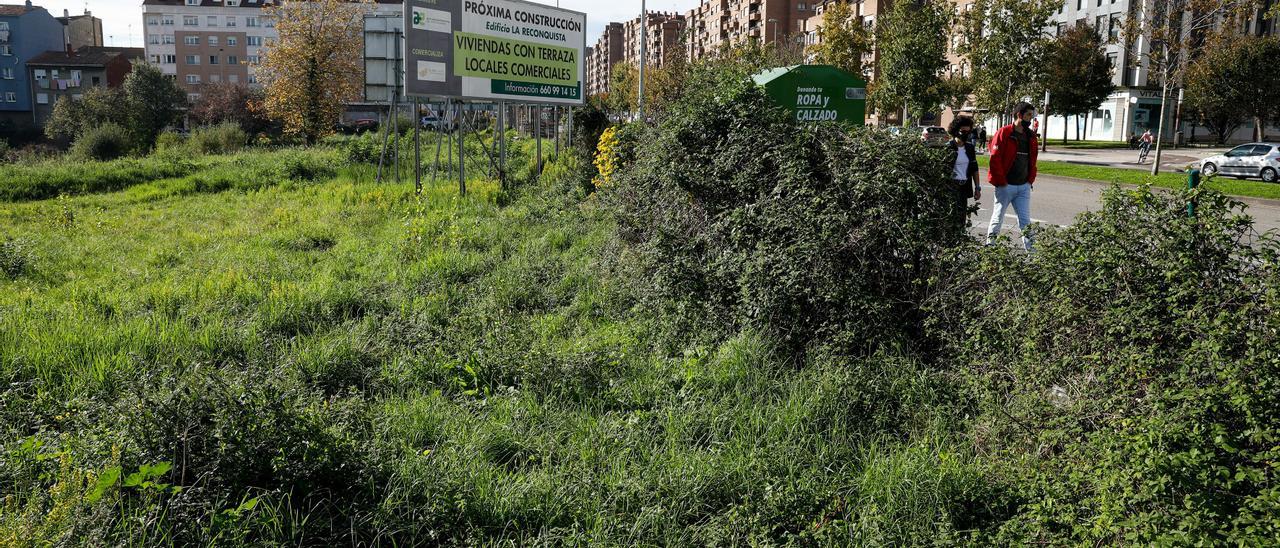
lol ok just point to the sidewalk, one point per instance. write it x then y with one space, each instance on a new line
1124 158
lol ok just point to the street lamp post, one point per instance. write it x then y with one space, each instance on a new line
775 30
644 56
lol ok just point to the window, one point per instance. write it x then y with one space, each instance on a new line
212 20
76 75
193 59
170 59
233 78
153 21
191 40
1114 30
168 20
252 59
270 22
251 21
193 2
231 20
193 97
11 97
213 40
232 41
153 39
167 39
42 98
253 40
1261 150
213 59
4 25
234 3
190 20
6 49
155 59
233 60
214 78
6 73
253 78
193 78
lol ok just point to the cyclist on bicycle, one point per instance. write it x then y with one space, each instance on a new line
1144 144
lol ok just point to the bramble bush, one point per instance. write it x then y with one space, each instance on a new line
224 138
1128 373
103 143
822 234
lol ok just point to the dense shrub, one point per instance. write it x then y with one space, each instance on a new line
103 143
4 151
821 234
49 178
170 141
1128 373
15 257
224 138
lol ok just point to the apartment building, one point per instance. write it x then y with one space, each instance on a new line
25 32
664 32
203 42
57 74
715 23
80 31
607 52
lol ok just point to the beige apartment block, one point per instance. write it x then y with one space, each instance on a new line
664 32
169 25
607 52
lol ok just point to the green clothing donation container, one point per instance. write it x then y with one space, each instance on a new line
817 93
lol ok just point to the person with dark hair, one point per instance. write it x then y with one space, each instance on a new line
1014 152
963 160
982 138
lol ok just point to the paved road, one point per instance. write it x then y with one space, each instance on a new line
1058 200
1170 160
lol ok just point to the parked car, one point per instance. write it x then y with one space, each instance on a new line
1254 160
934 136
365 124
435 123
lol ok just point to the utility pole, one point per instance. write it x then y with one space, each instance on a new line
644 55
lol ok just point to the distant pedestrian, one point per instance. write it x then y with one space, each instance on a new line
963 159
1012 172
1144 146
982 138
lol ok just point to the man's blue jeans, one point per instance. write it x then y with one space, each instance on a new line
1019 196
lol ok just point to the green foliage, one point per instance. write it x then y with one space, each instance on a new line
1007 49
15 257
1127 373
152 101
737 209
103 143
224 138
98 106
843 41
1225 87
170 141
4 150
1078 74
913 54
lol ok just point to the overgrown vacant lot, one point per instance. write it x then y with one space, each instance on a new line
337 360
752 333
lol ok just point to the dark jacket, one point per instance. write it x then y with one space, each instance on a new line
970 151
1004 150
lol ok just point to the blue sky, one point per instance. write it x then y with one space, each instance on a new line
122 19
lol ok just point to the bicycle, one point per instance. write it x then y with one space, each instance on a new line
1144 150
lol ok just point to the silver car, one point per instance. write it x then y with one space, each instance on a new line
934 136
1254 160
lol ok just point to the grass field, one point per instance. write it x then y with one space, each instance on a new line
304 356
1226 185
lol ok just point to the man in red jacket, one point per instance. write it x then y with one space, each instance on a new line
1012 172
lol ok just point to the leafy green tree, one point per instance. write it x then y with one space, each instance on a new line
1225 88
843 40
98 106
153 101
1078 74
913 54
1007 49
956 91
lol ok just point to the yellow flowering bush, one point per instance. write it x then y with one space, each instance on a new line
606 160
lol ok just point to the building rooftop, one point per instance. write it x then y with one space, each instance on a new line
88 56
16 10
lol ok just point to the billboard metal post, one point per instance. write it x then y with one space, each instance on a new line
462 154
500 133
417 148
537 130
